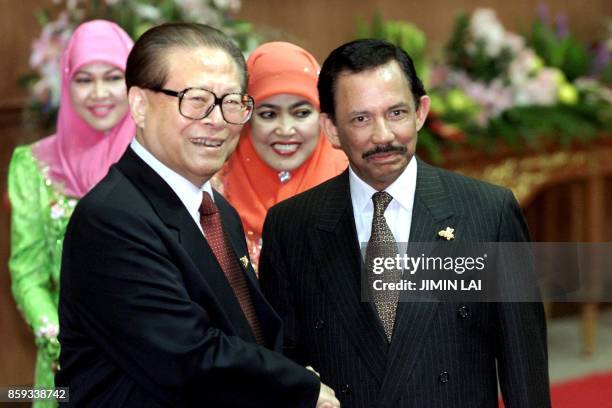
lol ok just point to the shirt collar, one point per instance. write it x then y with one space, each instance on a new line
189 194
402 189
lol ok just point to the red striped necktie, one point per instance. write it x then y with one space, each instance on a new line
210 219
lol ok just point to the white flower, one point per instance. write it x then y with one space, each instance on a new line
229 5
593 89
221 4
522 66
72 4
200 11
514 42
486 28
147 11
539 90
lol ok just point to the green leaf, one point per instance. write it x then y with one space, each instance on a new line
429 144
42 16
240 26
377 25
576 60
363 30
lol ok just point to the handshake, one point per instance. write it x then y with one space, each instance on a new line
327 396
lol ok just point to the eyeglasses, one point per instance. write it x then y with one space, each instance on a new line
198 103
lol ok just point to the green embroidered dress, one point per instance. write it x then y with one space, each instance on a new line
39 215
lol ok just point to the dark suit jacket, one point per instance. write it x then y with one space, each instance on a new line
147 317
442 354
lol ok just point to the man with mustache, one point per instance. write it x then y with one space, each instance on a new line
384 353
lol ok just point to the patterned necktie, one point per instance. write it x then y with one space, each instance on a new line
210 219
382 245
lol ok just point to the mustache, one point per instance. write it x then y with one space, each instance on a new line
384 149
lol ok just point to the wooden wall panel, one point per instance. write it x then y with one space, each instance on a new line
18 27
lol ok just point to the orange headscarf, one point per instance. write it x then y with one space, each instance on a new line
248 182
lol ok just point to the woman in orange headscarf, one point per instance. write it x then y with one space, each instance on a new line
282 151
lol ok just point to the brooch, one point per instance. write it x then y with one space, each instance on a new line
447 233
244 261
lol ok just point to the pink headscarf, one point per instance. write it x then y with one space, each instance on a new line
78 156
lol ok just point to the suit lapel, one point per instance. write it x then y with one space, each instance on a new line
431 213
338 255
173 213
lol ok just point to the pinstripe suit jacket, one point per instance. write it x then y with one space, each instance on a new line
442 354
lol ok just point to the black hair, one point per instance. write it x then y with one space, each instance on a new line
358 56
146 65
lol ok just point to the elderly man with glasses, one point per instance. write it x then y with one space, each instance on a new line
159 305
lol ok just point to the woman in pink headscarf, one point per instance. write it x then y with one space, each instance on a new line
46 179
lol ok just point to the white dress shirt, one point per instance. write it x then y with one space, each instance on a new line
399 212
189 194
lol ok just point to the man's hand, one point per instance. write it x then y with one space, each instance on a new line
309 368
327 398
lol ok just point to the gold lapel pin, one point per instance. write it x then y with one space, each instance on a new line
244 261
447 233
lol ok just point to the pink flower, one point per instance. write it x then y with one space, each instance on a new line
42 91
47 330
522 66
57 211
438 75
514 42
539 90
52 41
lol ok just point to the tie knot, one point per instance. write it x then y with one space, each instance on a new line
208 206
381 200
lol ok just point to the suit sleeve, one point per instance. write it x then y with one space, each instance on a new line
277 287
131 299
521 343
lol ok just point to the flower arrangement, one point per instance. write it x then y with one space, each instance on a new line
602 64
494 87
135 17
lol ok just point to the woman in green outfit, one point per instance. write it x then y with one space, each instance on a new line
46 179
